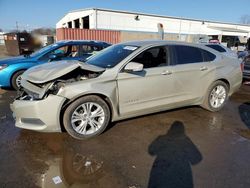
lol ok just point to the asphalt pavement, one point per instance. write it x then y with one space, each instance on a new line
187 147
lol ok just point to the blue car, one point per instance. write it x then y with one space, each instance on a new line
11 69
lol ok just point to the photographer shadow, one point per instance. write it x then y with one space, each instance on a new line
175 154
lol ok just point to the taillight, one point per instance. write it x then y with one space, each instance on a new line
242 66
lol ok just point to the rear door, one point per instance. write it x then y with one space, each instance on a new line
193 71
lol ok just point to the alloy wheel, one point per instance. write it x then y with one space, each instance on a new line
217 96
87 118
18 80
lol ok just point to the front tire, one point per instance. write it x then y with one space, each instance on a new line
86 117
16 80
216 96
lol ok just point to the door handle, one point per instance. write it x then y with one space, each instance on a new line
203 68
166 72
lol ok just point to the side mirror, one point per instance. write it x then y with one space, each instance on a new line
52 56
133 67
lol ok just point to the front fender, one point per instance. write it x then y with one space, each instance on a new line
7 73
106 89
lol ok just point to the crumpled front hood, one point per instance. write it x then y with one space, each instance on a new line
50 71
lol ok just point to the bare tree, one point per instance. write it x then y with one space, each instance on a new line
245 19
44 31
14 31
18 31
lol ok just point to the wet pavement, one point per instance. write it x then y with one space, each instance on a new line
188 147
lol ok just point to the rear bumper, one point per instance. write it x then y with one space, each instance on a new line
235 82
235 88
42 115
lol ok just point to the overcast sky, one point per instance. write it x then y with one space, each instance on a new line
46 13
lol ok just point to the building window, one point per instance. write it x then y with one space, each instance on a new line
85 21
69 24
77 23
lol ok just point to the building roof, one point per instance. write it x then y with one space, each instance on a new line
155 15
228 29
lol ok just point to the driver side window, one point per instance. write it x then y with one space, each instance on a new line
67 51
153 57
62 52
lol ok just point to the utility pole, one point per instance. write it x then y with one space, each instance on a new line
17 25
179 36
160 31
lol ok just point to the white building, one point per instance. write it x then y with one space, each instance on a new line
1 38
95 18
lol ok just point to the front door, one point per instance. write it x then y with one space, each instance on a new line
66 52
149 89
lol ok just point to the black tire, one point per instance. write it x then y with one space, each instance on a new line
207 104
74 105
14 78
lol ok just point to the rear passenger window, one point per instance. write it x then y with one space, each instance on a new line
208 56
188 54
216 47
89 49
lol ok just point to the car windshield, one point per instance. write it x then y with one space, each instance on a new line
111 56
42 50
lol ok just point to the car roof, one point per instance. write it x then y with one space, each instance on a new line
82 42
152 43
159 42
213 44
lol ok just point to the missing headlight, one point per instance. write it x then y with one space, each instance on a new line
28 96
55 87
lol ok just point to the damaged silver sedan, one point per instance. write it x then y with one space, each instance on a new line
123 81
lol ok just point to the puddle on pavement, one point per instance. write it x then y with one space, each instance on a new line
75 169
42 157
215 123
244 133
244 111
86 165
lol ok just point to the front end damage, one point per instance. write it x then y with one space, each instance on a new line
38 91
40 81
37 106
39 115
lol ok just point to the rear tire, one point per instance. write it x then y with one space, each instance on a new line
86 117
16 80
216 96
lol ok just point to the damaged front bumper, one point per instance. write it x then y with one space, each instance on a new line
38 104
39 115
